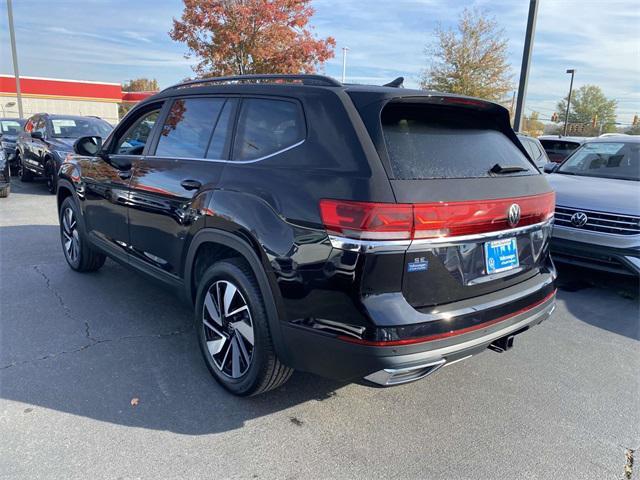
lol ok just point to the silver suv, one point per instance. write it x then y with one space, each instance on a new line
597 220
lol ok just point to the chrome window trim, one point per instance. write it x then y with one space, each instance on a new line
370 246
230 161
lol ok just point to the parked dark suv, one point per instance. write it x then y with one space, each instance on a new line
47 139
357 232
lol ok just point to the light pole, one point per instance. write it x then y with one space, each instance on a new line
14 54
572 71
526 61
344 63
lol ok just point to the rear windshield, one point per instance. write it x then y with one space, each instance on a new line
430 142
559 146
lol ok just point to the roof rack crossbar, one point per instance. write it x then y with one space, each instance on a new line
318 80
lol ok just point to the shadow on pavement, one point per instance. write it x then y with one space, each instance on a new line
87 344
609 289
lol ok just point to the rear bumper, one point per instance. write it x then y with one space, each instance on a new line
333 357
624 261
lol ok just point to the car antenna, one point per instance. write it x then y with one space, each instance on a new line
397 83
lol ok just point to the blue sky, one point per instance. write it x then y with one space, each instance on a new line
115 40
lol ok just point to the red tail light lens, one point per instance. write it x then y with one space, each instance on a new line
389 221
450 219
370 221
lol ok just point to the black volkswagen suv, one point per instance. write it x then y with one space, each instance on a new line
357 232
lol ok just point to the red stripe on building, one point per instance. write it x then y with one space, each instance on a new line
61 88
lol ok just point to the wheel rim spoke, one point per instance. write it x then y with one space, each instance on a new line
235 358
215 346
244 329
243 349
212 309
229 293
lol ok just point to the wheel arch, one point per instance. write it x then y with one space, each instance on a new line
229 245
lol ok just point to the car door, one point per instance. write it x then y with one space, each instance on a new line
106 181
38 145
170 183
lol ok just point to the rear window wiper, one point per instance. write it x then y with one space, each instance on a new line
499 169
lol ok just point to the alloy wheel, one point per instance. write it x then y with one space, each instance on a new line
70 236
228 329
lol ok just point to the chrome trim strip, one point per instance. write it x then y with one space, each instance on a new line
482 237
231 161
385 377
364 246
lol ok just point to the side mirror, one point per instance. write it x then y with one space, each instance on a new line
550 167
88 146
37 135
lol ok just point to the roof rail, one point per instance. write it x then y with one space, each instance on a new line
318 80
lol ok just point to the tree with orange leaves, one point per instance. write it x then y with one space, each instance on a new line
238 37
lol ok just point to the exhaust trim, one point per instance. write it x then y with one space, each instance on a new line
397 376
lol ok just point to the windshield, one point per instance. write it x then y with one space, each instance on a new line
79 127
608 160
10 127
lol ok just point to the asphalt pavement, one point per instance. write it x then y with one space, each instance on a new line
101 377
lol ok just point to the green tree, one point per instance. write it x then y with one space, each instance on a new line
470 61
137 85
588 103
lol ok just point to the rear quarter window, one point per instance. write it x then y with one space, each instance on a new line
429 142
266 127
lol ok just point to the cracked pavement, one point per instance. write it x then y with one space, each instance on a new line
75 349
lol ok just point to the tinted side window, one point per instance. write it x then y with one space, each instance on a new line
221 133
266 127
187 130
136 137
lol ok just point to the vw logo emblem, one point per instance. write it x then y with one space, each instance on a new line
513 214
579 219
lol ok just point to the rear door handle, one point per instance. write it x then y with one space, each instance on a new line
191 184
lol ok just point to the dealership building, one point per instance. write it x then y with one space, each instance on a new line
67 97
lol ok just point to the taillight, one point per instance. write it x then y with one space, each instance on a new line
367 221
390 221
449 219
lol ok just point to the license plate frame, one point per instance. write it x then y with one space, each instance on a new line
501 255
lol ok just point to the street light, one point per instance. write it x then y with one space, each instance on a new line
572 71
7 105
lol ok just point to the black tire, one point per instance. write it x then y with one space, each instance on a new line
264 371
25 175
5 191
81 257
52 176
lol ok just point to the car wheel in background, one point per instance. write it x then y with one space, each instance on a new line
233 330
5 191
52 177
79 254
24 174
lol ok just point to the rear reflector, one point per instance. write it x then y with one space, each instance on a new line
391 221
